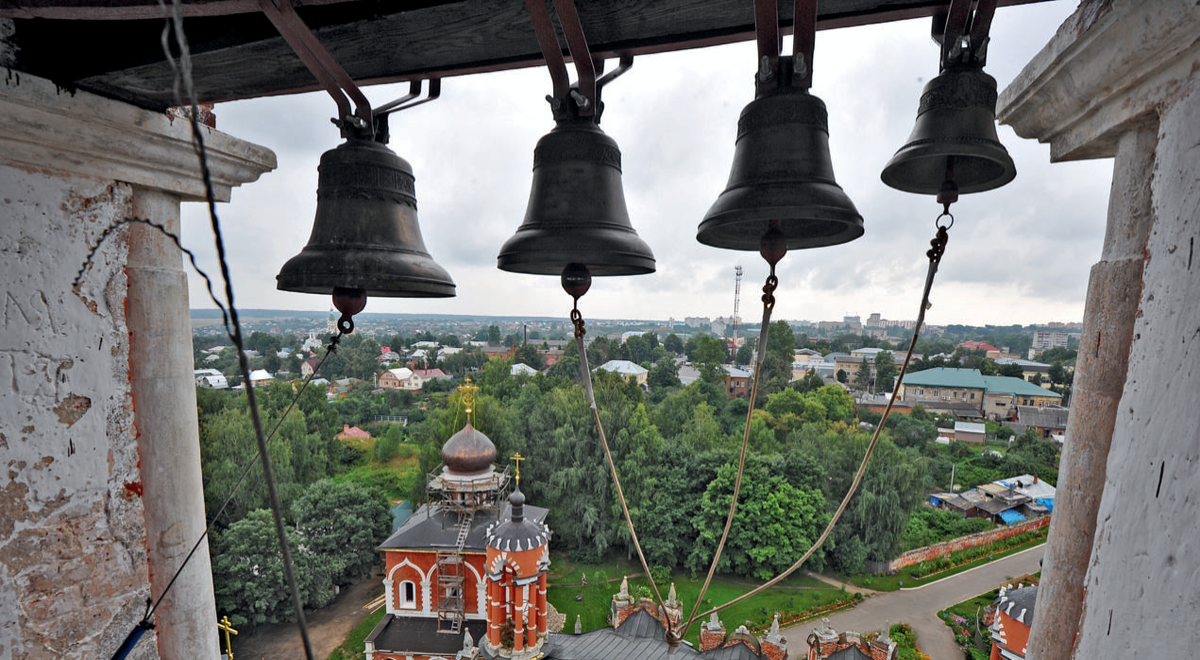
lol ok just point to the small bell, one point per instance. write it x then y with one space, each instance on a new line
365 237
576 213
954 138
782 176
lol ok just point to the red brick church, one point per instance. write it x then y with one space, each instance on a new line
465 578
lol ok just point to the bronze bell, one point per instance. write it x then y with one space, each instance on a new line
954 139
576 212
782 172
365 236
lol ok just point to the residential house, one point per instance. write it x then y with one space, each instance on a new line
990 351
497 351
522 369
1048 421
308 367
260 377
737 382
1004 394
994 396
395 379
970 432
944 384
351 432
422 376
446 351
630 371
1032 371
852 364
211 378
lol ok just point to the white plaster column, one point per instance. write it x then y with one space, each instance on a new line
160 361
1122 78
389 596
426 596
111 511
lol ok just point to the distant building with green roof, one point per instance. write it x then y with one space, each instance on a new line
995 396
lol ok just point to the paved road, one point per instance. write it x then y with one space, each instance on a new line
918 607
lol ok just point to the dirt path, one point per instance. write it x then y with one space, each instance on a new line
844 585
327 627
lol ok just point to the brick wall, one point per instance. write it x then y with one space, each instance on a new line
936 550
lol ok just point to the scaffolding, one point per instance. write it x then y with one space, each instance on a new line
459 498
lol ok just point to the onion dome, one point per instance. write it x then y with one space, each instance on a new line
468 451
517 533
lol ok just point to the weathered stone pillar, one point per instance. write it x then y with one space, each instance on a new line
1122 78
1114 291
94 518
160 364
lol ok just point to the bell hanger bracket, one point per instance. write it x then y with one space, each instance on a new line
962 32
774 69
567 100
363 122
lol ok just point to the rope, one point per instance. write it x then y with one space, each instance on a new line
768 299
673 637
935 253
183 73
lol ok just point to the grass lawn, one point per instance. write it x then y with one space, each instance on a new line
396 477
592 602
904 577
352 648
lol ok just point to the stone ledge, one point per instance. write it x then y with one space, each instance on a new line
1107 69
47 127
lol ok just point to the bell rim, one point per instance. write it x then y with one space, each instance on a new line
914 152
708 233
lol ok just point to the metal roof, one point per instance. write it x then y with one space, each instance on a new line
433 528
946 377
1018 386
412 635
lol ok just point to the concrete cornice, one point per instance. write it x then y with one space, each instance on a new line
47 127
1108 69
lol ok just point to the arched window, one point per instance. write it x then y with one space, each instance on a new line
408 595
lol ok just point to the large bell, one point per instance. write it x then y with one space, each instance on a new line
782 172
954 138
576 212
365 236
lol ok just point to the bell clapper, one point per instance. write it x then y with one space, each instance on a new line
349 302
576 280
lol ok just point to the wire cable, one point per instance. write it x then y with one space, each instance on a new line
937 249
673 637
768 299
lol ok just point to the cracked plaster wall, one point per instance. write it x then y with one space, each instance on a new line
1142 581
73 568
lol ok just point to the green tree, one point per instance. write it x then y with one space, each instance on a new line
862 378
343 521
885 371
673 343
910 432
776 522
1010 370
248 572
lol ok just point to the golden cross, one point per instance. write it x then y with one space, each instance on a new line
468 396
225 625
517 458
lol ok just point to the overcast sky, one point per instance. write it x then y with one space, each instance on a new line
1020 254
